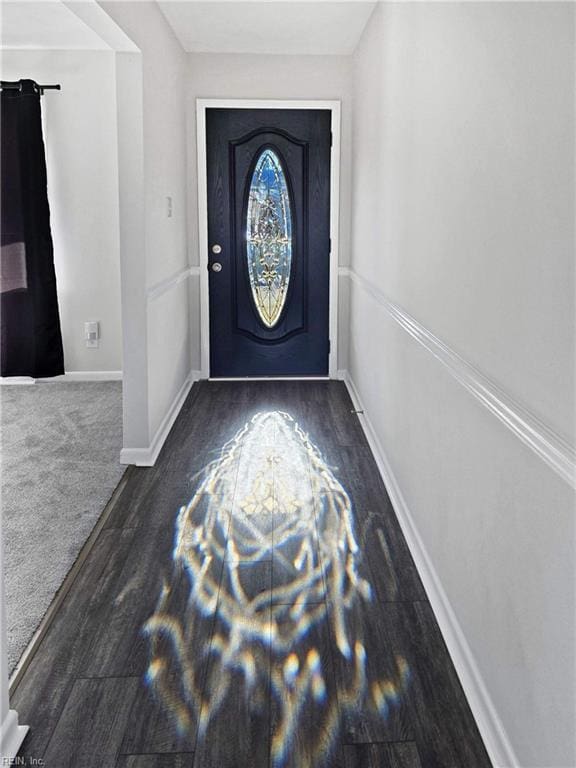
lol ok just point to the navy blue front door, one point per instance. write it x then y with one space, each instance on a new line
268 241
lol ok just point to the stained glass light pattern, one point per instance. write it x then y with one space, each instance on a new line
269 497
269 237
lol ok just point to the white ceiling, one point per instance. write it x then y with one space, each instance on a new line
305 27
208 26
45 25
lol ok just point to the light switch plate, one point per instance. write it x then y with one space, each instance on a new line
92 334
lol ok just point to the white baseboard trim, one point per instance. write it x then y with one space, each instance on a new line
86 376
69 376
13 381
11 737
146 457
489 724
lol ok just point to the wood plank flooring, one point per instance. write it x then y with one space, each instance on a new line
250 603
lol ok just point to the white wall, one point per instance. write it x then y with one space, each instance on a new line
165 367
244 76
82 162
11 733
463 204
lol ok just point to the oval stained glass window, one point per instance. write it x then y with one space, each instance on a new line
269 237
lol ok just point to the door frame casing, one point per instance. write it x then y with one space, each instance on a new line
335 110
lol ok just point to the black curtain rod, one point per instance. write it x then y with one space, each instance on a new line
6 86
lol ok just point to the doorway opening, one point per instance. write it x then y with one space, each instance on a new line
268 191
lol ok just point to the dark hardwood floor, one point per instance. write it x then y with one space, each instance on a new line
250 602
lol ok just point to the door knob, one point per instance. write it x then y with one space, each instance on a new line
216 248
216 267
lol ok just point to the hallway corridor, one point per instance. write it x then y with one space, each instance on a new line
250 602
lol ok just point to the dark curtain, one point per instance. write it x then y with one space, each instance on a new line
31 340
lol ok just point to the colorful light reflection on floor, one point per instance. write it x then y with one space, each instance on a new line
264 558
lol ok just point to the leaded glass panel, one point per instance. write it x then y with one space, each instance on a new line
269 237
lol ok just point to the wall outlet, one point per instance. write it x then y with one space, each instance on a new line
92 334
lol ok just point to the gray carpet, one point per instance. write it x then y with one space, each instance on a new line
60 464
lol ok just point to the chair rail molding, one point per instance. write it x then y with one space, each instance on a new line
544 441
156 290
